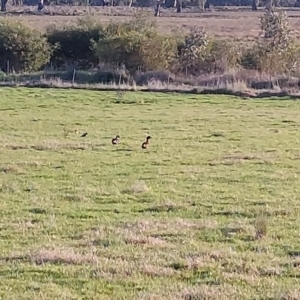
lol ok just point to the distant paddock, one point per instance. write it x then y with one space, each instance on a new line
231 23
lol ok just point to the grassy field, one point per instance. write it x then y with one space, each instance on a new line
222 24
209 211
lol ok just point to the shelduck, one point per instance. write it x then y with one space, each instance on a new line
145 144
115 140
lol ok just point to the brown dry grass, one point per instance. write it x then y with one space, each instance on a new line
233 23
238 89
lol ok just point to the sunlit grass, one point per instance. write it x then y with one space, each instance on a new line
209 211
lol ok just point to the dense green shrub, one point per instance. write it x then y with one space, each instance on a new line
275 52
137 45
73 43
199 53
225 55
194 55
22 48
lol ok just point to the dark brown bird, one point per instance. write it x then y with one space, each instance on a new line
84 134
115 140
145 144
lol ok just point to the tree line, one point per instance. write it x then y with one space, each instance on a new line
138 45
158 4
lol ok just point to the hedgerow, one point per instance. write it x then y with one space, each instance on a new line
139 45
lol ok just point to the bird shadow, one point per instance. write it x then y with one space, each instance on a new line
123 150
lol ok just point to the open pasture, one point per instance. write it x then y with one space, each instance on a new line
209 211
233 24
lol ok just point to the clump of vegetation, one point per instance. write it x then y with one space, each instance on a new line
22 49
193 50
138 45
73 43
261 227
199 53
222 55
275 52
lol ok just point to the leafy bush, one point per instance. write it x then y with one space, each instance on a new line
137 45
193 51
223 55
275 52
73 43
22 48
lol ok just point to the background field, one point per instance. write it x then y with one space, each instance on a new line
230 23
81 219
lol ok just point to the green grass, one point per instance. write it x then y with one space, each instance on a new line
209 211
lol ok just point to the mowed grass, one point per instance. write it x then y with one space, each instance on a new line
209 211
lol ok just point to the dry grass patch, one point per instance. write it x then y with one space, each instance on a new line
65 256
54 146
118 267
62 256
168 206
49 146
248 279
26 225
139 186
192 170
177 225
16 147
134 239
288 295
238 228
29 164
238 158
220 292
75 197
99 236
271 271
241 266
161 233
157 271
151 233
137 236
261 227
11 169
232 231
162 87
241 156
9 187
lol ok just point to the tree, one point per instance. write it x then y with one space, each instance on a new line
201 4
3 5
276 51
194 49
157 8
40 5
207 4
254 5
23 47
178 4
138 45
